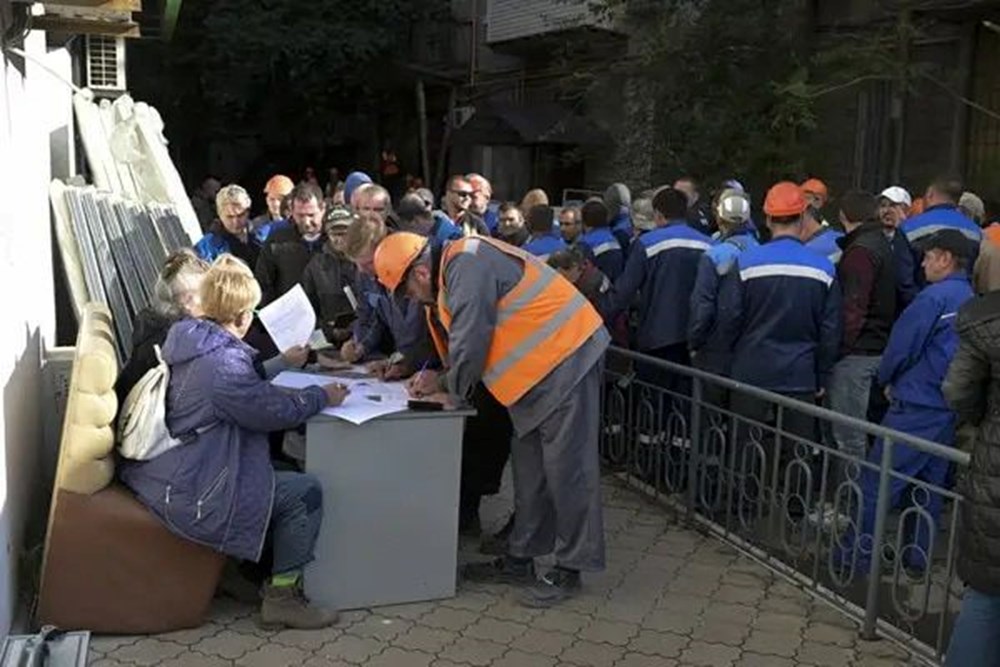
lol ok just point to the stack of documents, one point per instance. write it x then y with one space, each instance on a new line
369 398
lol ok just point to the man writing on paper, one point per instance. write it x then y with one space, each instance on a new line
524 331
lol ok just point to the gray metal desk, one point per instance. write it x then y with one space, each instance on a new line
390 508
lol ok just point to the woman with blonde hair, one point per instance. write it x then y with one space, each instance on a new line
219 488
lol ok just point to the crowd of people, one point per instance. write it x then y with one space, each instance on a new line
855 303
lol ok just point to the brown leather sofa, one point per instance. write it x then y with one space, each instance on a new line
110 566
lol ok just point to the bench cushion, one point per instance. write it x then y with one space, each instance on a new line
112 567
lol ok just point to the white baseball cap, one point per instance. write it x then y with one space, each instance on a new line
897 195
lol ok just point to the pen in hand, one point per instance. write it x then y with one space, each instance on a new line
416 380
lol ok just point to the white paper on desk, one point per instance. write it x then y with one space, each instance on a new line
359 406
289 319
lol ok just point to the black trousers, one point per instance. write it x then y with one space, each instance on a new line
485 450
678 354
793 422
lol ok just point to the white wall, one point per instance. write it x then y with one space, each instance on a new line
32 107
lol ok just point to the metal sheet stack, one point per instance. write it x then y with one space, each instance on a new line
113 250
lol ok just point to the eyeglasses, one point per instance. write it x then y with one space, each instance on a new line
464 194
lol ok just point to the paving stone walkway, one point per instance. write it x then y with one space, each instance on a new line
669 598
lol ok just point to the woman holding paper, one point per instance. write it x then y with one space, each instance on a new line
220 489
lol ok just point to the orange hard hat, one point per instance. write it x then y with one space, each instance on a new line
394 255
784 200
814 186
279 186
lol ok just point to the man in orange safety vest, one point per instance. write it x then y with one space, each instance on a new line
504 318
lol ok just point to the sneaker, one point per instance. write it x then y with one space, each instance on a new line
829 519
288 607
503 570
557 586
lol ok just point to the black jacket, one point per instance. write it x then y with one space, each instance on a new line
324 280
282 260
973 391
867 276
150 329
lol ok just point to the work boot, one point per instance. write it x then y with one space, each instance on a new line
235 584
558 585
288 607
496 544
503 570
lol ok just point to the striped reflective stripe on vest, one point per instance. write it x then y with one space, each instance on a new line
528 345
671 244
522 299
927 230
786 270
607 246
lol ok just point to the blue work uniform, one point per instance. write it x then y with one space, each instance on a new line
916 359
605 250
935 219
781 317
661 268
386 323
906 273
621 227
264 231
219 242
492 220
825 243
543 246
444 230
715 268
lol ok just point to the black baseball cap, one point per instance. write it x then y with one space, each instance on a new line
950 240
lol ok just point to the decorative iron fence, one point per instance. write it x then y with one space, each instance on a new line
762 472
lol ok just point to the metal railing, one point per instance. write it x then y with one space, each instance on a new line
761 471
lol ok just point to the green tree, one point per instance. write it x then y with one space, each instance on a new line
282 70
737 84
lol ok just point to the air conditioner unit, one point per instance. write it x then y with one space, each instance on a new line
106 64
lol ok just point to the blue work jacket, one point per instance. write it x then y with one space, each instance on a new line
543 246
715 268
661 269
605 250
782 317
825 243
936 219
923 342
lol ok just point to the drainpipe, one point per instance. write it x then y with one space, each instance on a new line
898 111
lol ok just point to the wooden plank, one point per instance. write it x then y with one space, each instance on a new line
75 26
103 5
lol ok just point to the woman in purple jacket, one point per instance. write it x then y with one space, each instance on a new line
220 489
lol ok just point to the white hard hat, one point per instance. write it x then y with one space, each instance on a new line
897 195
733 206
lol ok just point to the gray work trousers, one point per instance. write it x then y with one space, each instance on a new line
557 483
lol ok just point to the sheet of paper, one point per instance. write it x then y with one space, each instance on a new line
289 319
369 399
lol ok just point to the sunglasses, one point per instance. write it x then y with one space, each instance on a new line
462 193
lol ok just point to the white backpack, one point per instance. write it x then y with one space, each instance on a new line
142 425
